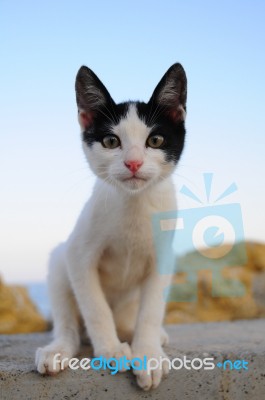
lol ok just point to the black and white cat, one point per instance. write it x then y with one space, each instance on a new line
105 273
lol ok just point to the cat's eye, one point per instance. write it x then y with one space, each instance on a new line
111 142
155 141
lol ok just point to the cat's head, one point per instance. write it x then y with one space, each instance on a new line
132 145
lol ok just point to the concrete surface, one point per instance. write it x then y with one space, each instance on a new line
224 340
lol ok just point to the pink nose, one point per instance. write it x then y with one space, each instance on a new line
133 165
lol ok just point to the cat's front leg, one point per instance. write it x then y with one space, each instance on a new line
95 310
147 337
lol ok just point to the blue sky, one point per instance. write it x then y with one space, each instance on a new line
44 177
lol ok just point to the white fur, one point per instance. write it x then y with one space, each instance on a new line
106 271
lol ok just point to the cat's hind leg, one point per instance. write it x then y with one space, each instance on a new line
55 356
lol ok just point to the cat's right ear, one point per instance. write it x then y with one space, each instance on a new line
91 97
171 93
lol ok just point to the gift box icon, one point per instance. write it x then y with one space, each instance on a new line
209 237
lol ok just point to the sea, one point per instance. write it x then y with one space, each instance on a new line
39 295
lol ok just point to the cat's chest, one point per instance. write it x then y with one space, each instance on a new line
127 226
125 235
128 251
132 232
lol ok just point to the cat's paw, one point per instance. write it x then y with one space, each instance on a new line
150 379
118 351
50 360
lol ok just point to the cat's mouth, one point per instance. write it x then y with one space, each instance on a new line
134 178
134 182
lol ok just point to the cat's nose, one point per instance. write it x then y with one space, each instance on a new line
133 165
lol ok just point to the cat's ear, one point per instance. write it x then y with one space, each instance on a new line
171 93
91 97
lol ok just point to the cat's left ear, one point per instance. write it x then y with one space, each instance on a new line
91 97
171 93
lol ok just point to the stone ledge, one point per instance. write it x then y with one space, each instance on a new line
222 340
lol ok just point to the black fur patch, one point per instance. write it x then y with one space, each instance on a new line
103 121
173 132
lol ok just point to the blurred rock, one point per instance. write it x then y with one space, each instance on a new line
198 302
17 312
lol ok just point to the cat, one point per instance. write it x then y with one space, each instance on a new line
105 273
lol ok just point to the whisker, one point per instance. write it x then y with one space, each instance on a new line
113 116
157 112
149 114
107 116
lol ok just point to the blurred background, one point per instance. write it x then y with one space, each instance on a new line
44 177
